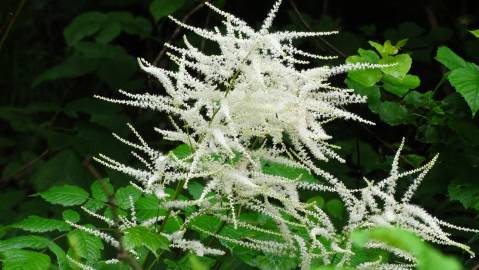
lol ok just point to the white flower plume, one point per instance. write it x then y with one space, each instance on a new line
258 100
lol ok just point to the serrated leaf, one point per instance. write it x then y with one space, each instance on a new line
449 59
181 151
278 169
86 24
75 65
402 65
17 259
466 81
85 245
427 257
122 196
162 8
140 236
400 86
387 48
59 253
40 224
27 241
393 113
366 77
65 195
71 216
100 190
148 207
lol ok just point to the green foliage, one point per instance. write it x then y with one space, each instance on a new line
162 8
84 245
40 224
65 195
427 257
140 236
25 260
464 76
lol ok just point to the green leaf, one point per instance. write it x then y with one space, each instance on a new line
475 32
400 69
84 25
372 93
63 168
100 188
60 254
16 259
140 236
148 207
465 191
449 59
162 8
366 77
74 66
85 245
400 86
28 241
466 81
40 224
427 257
181 151
388 49
335 208
278 169
122 196
71 216
393 113
65 195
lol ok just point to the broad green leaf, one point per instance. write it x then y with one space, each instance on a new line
122 196
401 65
110 30
84 25
366 77
75 65
475 32
393 113
162 8
400 86
387 48
466 81
181 151
17 259
63 168
141 236
60 254
278 169
206 222
71 216
427 257
20 242
148 207
85 245
465 191
335 208
100 189
449 59
65 195
40 224
373 93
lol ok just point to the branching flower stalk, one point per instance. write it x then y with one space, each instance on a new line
261 88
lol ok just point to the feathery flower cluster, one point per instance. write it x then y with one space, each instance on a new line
258 100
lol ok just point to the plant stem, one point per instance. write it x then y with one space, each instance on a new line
12 22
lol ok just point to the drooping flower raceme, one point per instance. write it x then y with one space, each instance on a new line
256 101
